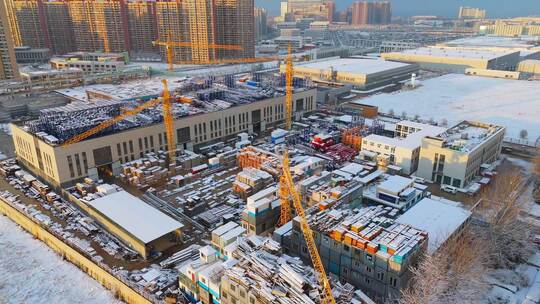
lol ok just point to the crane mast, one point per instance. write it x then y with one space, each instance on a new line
168 121
287 190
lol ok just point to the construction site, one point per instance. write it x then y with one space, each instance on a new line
236 188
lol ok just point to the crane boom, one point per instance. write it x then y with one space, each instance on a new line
193 45
327 296
169 122
104 125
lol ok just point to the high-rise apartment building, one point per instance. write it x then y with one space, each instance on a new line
60 28
360 13
364 12
99 25
234 24
204 22
331 10
261 26
132 25
41 24
8 65
466 12
142 25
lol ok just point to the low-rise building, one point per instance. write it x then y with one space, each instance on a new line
87 66
456 59
26 54
143 228
403 150
363 73
442 219
395 191
455 157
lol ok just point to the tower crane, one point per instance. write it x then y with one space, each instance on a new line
288 190
170 44
167 120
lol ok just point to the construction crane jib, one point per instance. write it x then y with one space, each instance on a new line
168 121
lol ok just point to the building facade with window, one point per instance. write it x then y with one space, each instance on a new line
458 155
66 165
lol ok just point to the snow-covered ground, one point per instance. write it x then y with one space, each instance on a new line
511 103
32 273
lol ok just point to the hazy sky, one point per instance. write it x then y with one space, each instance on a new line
445 8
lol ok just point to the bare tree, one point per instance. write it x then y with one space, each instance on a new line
416 117
391 112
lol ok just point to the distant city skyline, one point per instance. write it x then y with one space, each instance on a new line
447 8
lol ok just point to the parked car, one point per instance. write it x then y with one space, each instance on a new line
449 189
419 180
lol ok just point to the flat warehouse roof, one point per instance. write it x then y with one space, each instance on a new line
135 216
439 218
523 42
355 65
456 52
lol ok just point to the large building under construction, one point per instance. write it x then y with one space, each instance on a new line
215 113
122 25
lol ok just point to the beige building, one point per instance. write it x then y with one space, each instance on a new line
364 73
87 66
456 156
66 165
456 59
528 26
466 12
8 64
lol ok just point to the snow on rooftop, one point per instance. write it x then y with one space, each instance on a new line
513 104
394 184
451 52
468 135
135 216
439 218
523 42
411 141
355 65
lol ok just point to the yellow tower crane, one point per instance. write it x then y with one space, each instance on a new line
170 44
288 190
167 120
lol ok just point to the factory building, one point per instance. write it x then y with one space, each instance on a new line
521 26
395 191
143 228
364 73
213 120
457 156
8 64
456 59
524 44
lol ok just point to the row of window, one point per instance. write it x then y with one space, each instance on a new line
79 166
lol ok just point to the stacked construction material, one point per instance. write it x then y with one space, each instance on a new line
148 170
371 229
254 157
250 181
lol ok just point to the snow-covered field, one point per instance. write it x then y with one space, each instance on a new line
511 103
32 273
